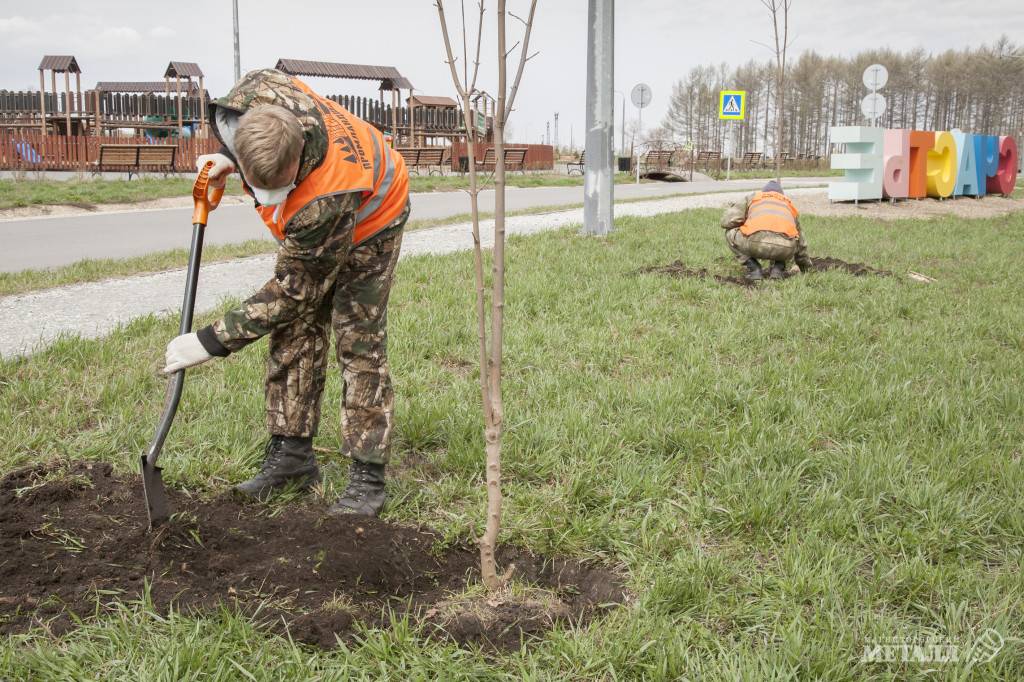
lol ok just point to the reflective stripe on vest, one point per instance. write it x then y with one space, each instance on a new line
348 166
771 212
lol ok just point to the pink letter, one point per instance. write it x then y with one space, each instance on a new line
896 168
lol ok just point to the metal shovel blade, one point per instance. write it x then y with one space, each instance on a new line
156 495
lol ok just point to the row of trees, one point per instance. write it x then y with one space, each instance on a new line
977 90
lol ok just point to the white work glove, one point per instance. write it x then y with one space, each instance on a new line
184 351
222 168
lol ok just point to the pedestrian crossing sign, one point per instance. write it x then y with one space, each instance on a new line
732 105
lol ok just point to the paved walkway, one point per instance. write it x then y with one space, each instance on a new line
30 321
48 242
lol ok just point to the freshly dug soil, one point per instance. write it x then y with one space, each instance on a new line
855 269
679 269
70 537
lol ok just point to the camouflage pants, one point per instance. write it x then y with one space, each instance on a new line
356 309
767 246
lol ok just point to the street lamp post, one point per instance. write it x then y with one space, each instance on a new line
238 61
598 178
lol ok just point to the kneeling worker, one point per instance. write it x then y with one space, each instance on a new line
766 226
336 197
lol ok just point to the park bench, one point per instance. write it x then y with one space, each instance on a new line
431 158
576 166
135 158
656 159
751 160
706 158
515 159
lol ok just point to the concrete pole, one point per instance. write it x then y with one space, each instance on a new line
238 60
599 179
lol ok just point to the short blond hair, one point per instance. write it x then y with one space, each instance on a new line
268 142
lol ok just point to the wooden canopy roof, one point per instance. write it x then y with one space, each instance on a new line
60 63
387 75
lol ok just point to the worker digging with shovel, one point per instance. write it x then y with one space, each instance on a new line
336 197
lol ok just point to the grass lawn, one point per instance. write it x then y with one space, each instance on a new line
766 173
784 476
18 193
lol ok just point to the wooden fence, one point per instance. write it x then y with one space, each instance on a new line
127 108
25 150
538 156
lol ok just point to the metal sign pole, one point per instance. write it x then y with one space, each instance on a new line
728 159
639 134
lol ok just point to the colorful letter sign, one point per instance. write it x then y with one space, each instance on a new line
862 163
1006 177
942 165
896 169
913 164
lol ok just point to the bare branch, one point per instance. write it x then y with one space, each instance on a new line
522 61
448 50
512 49
479 39
465 56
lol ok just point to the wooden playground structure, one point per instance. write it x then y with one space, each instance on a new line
53 130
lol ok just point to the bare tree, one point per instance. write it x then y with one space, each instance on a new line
490 346
779 7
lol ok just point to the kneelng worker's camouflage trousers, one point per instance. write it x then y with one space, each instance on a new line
356 310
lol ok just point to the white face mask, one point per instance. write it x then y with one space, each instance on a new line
272 197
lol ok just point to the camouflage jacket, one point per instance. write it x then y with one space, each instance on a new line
317 239
736 213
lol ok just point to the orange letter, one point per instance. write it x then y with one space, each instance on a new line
921 143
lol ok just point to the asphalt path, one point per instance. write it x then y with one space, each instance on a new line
48 242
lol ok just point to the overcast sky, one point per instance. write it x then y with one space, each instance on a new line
657 41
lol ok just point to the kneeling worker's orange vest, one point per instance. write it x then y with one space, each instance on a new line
772 212
358 159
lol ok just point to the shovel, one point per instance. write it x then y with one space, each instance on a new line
152 480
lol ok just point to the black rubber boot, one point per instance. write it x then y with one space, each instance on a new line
365 494
753 273
778 270
287 461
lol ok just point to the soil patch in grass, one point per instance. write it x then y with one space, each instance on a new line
856 269
70 537
679 269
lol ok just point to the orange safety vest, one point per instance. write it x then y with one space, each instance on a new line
772 212
358 160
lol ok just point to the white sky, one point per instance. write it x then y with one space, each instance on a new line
657 41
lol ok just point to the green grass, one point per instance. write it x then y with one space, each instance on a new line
18 193
783 475
447 183
786 173
86 193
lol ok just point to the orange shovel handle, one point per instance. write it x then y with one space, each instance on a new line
203 199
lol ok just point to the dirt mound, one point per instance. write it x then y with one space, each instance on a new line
70 537
679 269
855 269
